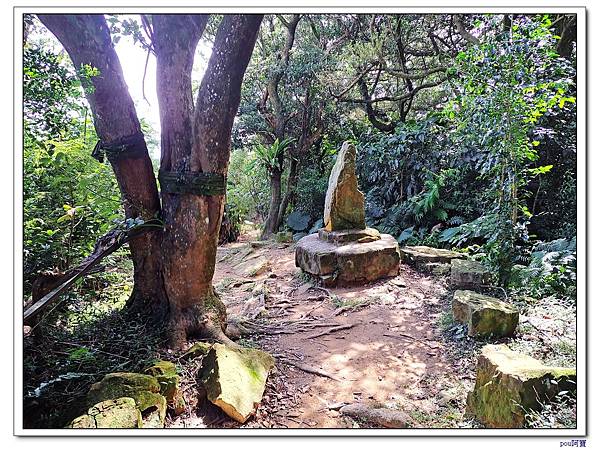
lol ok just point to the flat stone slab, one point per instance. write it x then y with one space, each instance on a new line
235 377
343 236
485 316
465 273
352 263
509 384
420 256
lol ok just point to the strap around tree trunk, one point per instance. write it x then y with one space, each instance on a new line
133 146
198 183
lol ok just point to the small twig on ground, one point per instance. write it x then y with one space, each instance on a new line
307 368
401 335
331 330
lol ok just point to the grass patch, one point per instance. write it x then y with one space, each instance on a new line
445 320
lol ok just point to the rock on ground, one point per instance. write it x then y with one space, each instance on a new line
465 273
420 256
235 377
509 383
165 373
144 389
344 203
350 263
118 413
384 417
484 315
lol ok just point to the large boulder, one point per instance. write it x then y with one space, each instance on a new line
509 384
421 256
165 373
118 413
466 273
234 378
143 389
344 203
350 263
485 316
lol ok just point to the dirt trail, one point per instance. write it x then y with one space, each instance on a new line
389 350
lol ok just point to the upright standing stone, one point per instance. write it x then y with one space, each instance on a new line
344 203
345 251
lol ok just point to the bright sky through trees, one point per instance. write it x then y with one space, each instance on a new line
133 61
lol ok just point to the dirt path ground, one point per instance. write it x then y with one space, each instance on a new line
379 343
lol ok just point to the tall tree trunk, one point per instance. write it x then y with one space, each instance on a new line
86 38
273 218
192 221
271 224
173 269
289 190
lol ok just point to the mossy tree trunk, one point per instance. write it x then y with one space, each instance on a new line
173 268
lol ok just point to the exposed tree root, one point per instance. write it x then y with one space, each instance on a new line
197 322
331 330
305 367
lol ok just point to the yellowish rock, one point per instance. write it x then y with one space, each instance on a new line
344 203
235 377
117 413
509 384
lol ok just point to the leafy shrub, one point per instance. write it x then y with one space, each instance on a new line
551 270
69 200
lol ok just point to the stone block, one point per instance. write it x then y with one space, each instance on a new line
235 377
465 273
509 384
347 264
484 315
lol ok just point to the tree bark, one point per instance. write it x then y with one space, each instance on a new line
271 225
173 269
192 221
86 38
287 197
279 120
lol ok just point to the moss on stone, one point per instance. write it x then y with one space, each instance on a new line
197 350
165 373
485 316
144 389
508 384
117 413
235 377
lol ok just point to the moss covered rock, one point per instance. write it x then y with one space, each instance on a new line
234 378
284 236
118 413
465 273
199 349
165 373
143 389
484 315
509 384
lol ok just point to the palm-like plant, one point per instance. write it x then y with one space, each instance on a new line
269 156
